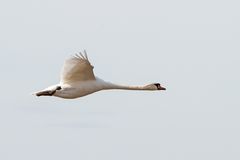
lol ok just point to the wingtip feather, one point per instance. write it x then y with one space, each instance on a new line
85 53
81 55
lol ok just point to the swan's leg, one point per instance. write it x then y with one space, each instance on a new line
45 93
48 92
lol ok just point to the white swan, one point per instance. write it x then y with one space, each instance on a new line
78 79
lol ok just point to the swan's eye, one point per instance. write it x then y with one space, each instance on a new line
59 88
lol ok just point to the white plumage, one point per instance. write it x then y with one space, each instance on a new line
77 80
76 69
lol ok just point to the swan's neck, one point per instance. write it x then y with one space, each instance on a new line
123 87
108 86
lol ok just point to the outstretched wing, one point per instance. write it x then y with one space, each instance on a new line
77 68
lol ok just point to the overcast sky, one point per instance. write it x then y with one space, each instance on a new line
190 47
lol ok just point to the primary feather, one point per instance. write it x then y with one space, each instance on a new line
76 69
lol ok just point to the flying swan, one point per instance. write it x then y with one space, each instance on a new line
77 80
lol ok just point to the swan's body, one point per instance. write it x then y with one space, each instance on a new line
78 79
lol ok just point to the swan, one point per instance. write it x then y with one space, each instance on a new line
77 80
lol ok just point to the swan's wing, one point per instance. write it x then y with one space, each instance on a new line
77 68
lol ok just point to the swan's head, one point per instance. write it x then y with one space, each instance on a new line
154 86
159 87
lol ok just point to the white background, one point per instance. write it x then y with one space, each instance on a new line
190 47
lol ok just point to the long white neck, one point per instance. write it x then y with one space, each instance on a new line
108 85
103 85
123 87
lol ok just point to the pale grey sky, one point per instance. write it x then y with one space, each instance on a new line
191 47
